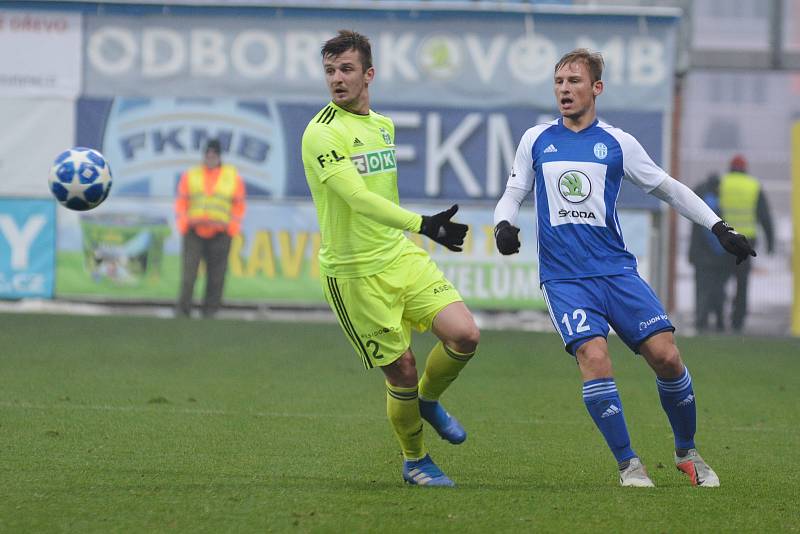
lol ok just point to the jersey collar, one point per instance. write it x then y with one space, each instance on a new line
592 125
356 115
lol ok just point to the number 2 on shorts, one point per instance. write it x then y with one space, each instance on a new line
577 315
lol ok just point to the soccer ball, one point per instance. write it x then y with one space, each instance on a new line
80 178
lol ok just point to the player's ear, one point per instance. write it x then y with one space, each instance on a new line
597 88
369 75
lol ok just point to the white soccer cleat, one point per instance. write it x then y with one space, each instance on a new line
698 470
635 475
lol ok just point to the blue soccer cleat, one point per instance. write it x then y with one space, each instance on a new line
442 422
425 473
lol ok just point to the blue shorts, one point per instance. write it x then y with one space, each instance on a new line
584 308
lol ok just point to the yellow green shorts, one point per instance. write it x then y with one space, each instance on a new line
378 311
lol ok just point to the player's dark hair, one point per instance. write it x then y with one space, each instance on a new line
593 61
349 40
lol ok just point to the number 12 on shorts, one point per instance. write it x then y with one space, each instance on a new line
579 317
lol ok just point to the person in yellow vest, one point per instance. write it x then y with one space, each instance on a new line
744 207
209 208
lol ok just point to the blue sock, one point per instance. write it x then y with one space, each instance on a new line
677 399
602 401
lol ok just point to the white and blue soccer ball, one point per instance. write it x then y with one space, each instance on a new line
80 178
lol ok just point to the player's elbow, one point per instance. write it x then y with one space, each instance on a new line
359 208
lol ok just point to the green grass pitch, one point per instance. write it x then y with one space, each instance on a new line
123 424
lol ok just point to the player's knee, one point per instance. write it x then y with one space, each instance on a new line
472 337
673 360
408 379
403 371
594 360
467 338
408 373
668 361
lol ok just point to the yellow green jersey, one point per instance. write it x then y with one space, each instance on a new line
351 170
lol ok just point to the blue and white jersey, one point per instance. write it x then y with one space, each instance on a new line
576 178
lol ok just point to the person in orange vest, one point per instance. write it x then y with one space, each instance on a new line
744 206
209 208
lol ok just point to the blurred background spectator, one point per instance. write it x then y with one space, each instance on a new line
744 205
209 208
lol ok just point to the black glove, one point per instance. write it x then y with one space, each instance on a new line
505 236
733 241
445 232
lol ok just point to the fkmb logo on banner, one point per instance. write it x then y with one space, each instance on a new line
27 248
151 142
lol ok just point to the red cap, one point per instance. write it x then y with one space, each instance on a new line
738 163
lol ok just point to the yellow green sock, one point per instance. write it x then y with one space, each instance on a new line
441 369
402 407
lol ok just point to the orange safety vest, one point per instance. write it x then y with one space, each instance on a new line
214 207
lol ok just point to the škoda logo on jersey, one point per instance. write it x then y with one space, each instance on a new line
376 161
574 186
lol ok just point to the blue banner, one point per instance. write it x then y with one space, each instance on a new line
27 248
443 153
462 57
